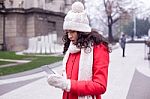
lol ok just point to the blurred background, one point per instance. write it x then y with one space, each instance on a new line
31 43
37 21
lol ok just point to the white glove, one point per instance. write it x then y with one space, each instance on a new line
59 81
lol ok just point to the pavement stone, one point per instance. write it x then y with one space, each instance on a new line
122 78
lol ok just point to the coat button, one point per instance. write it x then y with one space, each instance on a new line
72 61
69 76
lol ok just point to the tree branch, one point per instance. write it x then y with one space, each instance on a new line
115 20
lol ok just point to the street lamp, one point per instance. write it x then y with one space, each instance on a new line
2 11
134 26
134 19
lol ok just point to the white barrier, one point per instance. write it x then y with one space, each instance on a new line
47 45
39 47
44 45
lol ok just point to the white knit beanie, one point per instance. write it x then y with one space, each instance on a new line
76 19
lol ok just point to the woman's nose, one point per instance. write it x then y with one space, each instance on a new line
69 35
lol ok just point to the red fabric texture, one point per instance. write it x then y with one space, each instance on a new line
98 84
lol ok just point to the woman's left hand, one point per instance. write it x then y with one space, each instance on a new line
59 81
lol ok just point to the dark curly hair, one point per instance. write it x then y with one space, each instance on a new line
84 39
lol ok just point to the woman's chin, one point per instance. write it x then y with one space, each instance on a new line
73 42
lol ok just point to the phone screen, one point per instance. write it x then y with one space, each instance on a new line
48 70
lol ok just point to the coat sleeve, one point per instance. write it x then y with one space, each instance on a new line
97 85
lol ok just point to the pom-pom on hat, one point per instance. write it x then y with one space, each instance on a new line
76 19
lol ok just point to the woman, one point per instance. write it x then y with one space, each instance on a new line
122 42
86 58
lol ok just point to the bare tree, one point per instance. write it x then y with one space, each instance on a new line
105 13
114 10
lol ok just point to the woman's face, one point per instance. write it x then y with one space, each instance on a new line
72 35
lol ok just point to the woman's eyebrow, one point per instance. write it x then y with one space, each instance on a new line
70 31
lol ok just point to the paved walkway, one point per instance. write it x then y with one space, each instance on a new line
15 62
123 75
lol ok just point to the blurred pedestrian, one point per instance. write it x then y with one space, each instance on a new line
122 42
86 58
149 33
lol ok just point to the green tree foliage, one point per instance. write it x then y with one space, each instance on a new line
142 27
128 29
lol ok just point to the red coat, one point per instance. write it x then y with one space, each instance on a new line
97 85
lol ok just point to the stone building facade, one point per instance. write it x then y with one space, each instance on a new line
30 18
21 24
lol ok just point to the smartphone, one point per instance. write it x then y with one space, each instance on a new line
48 70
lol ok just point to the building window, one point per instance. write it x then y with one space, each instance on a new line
11 2
51 26
49 1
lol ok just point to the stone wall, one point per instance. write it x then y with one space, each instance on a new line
15 28
1 31
22 24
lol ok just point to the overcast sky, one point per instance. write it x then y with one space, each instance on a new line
146 3
96 13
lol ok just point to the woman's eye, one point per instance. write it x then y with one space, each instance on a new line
70 31
67 32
